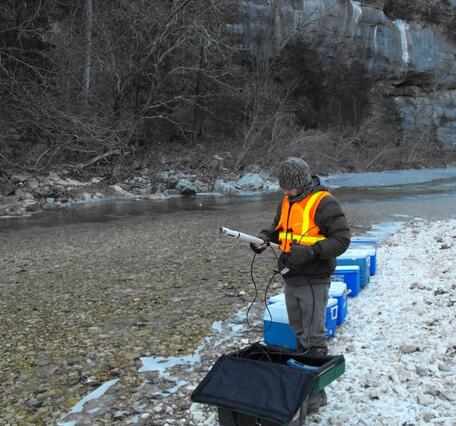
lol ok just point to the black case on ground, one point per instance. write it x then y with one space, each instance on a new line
255 386
267 390
235 418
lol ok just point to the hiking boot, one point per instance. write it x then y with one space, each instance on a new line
316 400
321 350
299 347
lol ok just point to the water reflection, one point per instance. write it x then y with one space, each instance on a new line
425 194
391 177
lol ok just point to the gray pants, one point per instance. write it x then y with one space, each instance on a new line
306 299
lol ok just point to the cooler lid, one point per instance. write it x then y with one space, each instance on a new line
347 268
331 301
276 312
369 241
337 288
369 248
277 298
357 253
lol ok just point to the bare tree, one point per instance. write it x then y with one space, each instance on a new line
88 53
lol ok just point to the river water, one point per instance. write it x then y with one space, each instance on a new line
375 203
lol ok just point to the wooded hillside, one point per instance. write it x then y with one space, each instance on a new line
128 83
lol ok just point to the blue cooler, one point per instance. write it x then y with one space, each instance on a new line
338 290
331 317
357 257
277 332
351 276
371 247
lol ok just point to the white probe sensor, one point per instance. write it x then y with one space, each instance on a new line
244 237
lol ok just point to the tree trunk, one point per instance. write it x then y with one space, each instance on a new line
198 115
88 54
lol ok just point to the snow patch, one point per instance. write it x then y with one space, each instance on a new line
383 230
228 330
97 393
162 365
217 326
408 304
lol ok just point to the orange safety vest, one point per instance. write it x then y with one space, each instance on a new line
297 222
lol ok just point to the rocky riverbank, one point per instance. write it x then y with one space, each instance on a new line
117 304
25 194
398 344
80 303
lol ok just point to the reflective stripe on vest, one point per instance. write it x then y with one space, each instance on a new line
301 227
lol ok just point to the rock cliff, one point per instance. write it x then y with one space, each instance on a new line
417 59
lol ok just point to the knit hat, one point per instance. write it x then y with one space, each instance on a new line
294 173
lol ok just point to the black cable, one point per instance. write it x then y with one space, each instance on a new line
298 243
303 235
256 295
311 317
266 291
255 351
260 350
254 285
275 254
265 299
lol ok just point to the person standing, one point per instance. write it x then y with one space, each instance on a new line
312 231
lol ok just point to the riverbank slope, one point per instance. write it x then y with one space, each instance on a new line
398 344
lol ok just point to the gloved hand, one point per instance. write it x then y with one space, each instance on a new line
283 261
301 255
260 248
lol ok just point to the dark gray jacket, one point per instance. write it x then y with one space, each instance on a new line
333 225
